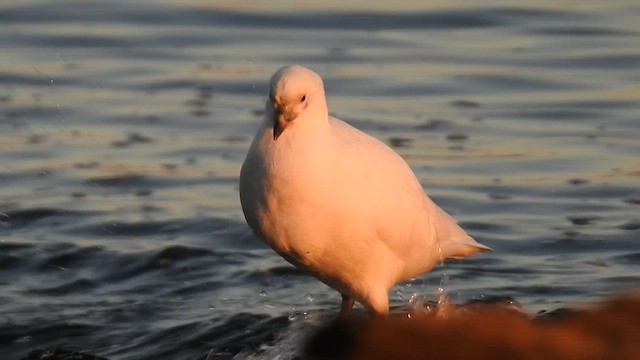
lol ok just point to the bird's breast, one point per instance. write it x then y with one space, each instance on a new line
283 200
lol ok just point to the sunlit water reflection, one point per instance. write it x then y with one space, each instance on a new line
123 127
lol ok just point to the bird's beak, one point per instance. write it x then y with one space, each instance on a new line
278 126
282 119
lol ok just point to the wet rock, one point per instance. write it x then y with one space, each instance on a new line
608 331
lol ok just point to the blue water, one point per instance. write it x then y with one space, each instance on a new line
123 126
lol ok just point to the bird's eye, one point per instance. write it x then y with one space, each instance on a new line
303 98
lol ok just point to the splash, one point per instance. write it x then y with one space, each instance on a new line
442 305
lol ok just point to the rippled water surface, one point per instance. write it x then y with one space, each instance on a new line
123 126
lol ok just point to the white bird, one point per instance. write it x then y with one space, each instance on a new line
339 203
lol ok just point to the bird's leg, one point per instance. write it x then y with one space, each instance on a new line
345 307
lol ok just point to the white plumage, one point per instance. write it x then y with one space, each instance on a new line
338 202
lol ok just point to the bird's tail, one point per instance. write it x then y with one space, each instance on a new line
456 249
454 241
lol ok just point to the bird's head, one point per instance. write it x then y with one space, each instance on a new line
293 90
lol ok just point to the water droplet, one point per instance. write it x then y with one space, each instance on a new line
443 303
440 253
416 302
308 297
444 280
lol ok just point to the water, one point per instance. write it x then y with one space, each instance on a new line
123 126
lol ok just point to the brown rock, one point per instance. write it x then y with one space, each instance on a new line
610 331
